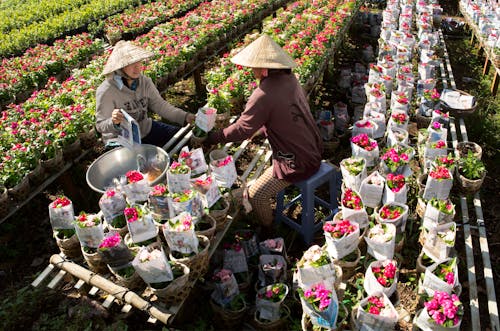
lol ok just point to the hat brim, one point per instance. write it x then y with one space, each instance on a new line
125 54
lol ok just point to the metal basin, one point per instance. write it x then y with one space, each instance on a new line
149 159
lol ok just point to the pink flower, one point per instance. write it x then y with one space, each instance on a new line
134 176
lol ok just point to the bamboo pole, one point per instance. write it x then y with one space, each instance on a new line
119 292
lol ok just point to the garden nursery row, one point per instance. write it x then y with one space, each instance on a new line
177 224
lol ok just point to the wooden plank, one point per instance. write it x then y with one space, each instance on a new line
488 273
126 308
93 291
109 300
43 275
79 284
447 59
486 66
53 283
254 161
182 131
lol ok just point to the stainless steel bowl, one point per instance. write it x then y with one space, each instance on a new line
149 159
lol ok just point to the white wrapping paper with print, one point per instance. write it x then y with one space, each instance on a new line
358 96
177 207
433 216
372 188
225 290
272 269
372 285
393 124
430 154
205 118
396 136
377 118
137 192
207 189
194 159
340 247
439 240
326 318
374 107
90 236
437 188
436 134
381 240
359 216
371 157
391 196
432 282
308 274
423 321
341 115
223 168
152 265
352 181
62 217
399 222
180 234
235 260
273 246
267 309
386 321
142 229
178 182
366 126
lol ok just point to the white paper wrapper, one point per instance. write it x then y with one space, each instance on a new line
358 95
224 175
137 192
341 247
195 161
273 246
381 250
224 292
377 322
424 322
143 229
236 261
398 222
351 181
159 206
432 283
437 188
156 270
435 245
205 121
269 310
373 131
326 318
90 236
341 115
390 196
430 154
372 286
371 194
62 217
436 135
185 242
396 136
272 269
393 124
178 182
209 194
433 216
371 157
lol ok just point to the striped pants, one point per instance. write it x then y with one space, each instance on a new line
265 188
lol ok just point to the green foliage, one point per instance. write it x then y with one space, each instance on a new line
471 166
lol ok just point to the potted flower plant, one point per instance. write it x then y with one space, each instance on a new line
180 234
437 132
268 301
136 188
398 120
353 171
321 304
61 215
181 201
394 161
395 189
353 208
470 173
141 227
90 233
372 189
112 204
377 312
341 237
438 240
272 269
394 213
381 239
365 147
315 265
442 276
442 311
438 211
158 202
439 183
381 276
178 176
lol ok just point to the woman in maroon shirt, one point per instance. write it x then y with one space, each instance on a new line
279 109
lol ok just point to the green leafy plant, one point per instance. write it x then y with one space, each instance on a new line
471 167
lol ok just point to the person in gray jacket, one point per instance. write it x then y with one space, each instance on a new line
126 88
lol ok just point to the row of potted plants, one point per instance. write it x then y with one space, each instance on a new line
54 27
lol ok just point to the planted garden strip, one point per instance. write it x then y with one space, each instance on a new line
135 21
23 74
27 13
66 23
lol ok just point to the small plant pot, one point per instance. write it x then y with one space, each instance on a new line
70 246
21 190
349 267
468 186
177 289
4 202
227 319
220 216
464 147
72 150
277 325
54 164
210 228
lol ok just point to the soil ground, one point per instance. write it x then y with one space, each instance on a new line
26 242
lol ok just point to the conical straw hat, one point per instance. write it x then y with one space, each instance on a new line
125 53
264 52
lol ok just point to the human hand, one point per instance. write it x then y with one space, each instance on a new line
116 116
190 118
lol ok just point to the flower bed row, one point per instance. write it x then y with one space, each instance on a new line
17 41
134 21
22 74
53 117
294 29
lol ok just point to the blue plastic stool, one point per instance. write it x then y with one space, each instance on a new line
307 225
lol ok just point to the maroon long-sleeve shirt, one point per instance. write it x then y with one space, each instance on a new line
279 106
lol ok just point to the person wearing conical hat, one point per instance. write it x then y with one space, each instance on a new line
279 109
126 88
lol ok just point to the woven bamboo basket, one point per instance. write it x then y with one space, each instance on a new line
349 268
459 112
54 164
198 264
178 288
20 191
210 232
220 216
37 175
4 201
70 247
133 282
277 325
468 186
72 150
422 121
464 146
226 319
94 262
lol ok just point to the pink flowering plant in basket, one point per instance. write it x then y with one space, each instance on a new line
352 200
89 231
363 141
113 250
61 215
393 159
112 204
395 182
341 237
320 304
441 310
